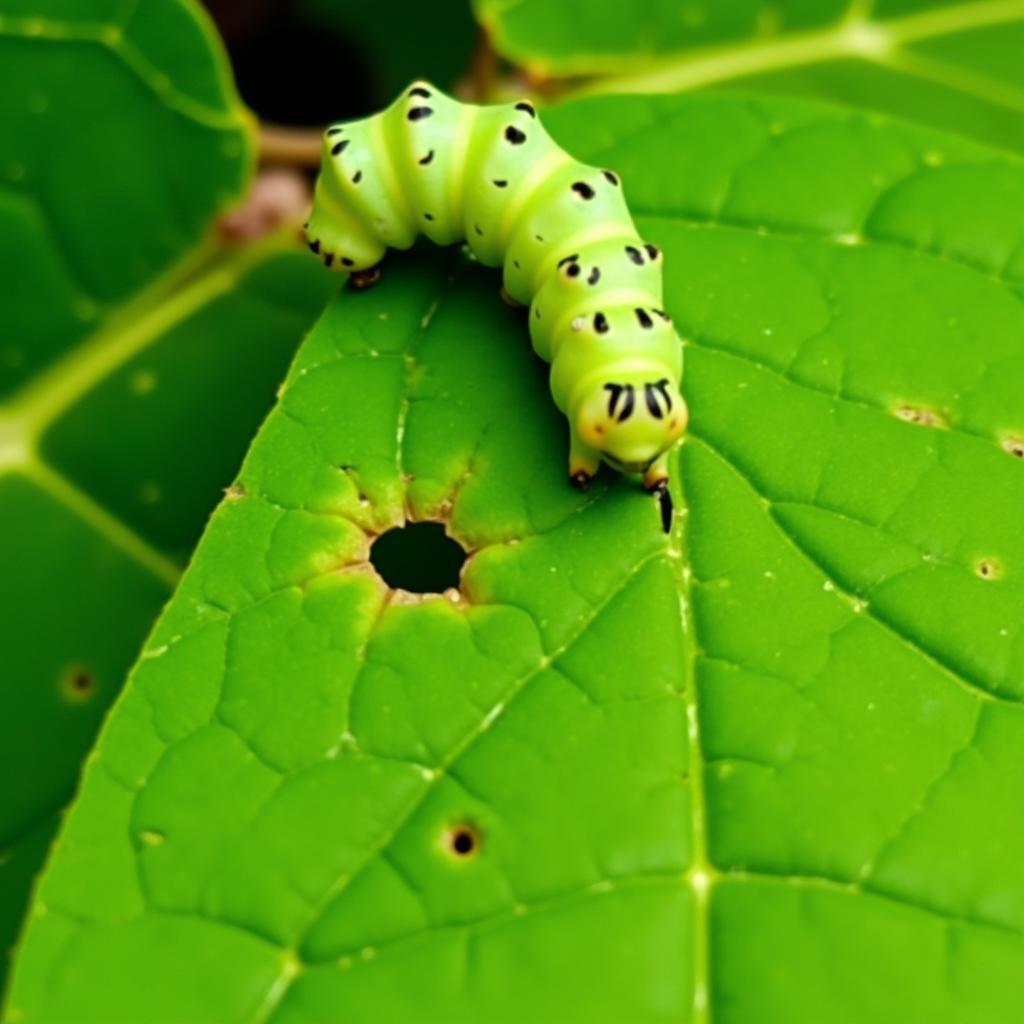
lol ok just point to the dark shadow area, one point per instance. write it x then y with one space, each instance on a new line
289 69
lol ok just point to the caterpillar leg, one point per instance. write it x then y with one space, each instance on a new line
656 476
656 483
584 462
660 491
363 279
508 300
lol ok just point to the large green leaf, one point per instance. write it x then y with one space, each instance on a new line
128 391
956 66
764 771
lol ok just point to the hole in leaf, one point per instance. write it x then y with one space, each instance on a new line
418 557
78 684
462 841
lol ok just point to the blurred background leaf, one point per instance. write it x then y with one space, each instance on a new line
137 356
956 66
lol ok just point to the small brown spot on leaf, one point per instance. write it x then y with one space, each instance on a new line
921 415
1015 446
989 569
78 684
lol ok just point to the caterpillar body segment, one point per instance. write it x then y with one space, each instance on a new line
559 229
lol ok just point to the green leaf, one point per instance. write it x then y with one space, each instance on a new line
123 413
765 770
955 66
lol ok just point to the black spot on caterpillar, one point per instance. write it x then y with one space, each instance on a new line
662 386
598 373
615 391
652 403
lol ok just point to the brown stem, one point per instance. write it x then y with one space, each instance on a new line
482 67
281 146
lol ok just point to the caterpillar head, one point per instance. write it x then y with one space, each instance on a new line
632 419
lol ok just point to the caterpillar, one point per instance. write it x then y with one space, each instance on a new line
492 177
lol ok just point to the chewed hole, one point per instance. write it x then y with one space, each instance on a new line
418 557
989 569
78 683
462 840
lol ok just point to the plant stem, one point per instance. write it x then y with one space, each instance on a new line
282 146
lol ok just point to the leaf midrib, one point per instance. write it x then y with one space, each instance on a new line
854 36
700 872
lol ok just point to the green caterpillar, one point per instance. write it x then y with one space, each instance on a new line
492 176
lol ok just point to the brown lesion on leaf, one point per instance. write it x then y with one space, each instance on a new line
408 598
236 492
1013 446
989 569
921 415
78 684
